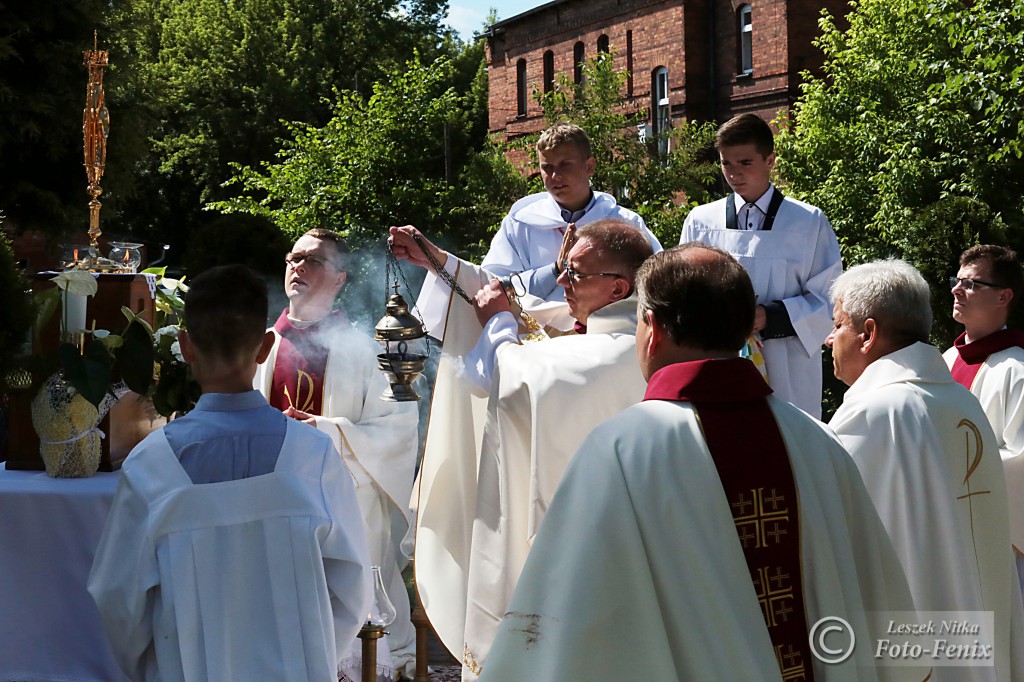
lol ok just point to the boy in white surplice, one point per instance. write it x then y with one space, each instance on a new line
234 549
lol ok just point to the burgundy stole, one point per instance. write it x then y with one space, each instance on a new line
301 362
753 465
971 356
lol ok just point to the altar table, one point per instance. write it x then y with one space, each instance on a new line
49 627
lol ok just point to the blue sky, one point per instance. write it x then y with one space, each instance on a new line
467 16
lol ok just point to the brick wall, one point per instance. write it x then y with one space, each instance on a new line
680 35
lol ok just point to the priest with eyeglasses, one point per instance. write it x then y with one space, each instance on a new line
500 439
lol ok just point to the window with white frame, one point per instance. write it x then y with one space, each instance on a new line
746 42
660 110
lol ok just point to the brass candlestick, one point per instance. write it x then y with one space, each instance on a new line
95 130
377 620
370 633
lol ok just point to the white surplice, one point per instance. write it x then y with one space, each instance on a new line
795 262
527 244
999 387
378 442
637 572
253 579
445 493
929 460
546 398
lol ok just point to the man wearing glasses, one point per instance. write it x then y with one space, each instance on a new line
596 276
988 359
323 371
537 400
928 458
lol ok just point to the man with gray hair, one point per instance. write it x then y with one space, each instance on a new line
928 457
708 532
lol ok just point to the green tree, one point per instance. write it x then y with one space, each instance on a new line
42 93
217 81
379 161
16 312
920 103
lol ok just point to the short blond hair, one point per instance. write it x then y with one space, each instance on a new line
564 134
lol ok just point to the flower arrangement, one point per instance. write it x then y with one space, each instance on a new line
139 359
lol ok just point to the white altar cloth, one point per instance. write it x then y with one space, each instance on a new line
49 628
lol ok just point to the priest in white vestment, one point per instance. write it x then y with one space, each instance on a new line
928 457
234 548
988 359
506 416
704 533
529 245
323 371
788 248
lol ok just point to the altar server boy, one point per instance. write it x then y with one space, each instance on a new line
234 548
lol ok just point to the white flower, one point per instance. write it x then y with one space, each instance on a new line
176 351
169 330
79 282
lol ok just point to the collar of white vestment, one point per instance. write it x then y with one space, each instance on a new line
750 455
720 380
971 356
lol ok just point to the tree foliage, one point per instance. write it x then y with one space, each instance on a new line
42 93
16 312
920 104
377 162
217 81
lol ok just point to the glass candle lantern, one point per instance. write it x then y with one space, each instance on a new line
126 256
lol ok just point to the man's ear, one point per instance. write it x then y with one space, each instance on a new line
1005 297
770 160
869 336
620 290
188 350
591 165
265 347
656 335
342 278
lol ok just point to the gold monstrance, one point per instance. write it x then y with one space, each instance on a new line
95 129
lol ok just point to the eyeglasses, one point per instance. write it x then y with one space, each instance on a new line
968 284
312 262
575 275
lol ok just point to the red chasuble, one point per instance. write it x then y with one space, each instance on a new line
301 363
753 465
971 356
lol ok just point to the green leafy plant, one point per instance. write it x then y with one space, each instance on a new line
15 313
138 358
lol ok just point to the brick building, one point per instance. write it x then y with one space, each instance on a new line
694 59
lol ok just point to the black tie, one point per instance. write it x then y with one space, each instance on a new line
750 215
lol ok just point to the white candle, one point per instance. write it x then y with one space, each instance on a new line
74 312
